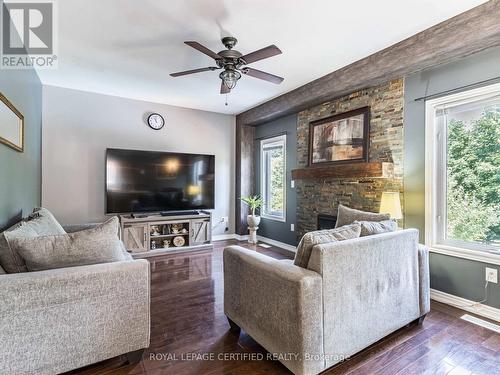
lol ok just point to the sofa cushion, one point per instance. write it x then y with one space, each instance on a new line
2 271
9 259
369 228
310 239
97 245
40 222
346 215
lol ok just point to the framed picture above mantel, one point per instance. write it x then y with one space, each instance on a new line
340 139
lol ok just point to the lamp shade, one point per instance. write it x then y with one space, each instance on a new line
390 204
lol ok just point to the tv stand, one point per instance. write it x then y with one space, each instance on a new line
160 235
178 213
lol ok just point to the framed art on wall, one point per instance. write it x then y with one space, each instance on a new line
11 125
341 138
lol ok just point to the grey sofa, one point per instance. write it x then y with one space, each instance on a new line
59 320
352 294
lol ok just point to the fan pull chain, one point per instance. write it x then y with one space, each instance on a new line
226 99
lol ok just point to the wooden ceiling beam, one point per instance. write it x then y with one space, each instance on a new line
465 34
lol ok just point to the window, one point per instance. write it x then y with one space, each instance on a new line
463 171
273 177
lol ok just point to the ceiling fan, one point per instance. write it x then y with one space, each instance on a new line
233 63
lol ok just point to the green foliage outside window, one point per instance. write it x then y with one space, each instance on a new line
277 178
473 198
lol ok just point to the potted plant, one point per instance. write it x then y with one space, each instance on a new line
253 203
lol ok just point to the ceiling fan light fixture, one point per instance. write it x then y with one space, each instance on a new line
233 63
230 78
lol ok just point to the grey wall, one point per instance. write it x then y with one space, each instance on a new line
20 172
452 275
463 278
79 126
277 230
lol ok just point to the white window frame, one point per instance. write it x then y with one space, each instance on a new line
435 180
279 140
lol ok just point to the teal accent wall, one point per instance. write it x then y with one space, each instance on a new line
20 173
457 276
277 230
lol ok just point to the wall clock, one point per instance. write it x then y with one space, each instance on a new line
156 121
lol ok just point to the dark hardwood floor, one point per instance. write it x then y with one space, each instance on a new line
188 324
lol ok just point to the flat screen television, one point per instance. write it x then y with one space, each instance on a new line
150 181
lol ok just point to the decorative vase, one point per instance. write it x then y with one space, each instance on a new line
253 225
253 220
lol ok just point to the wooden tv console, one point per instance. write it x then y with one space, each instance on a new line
156 234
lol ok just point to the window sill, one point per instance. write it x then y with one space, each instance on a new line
476 255
274 218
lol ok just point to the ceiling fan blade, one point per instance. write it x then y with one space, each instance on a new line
199 70
261 54
262 75
204 50
224 89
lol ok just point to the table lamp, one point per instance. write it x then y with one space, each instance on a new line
390 204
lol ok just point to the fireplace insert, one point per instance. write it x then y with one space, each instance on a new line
326 221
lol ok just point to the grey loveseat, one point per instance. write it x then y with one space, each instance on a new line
62 319
352 294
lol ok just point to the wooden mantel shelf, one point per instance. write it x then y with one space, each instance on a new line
353 170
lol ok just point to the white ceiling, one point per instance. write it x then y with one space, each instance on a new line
128 47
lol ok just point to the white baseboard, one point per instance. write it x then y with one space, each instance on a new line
233 236
279 244
465 304
240 237
222 237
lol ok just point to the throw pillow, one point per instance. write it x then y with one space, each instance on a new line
369 228
9 259
40 222
2 271
310 239
44 223
96 245
348 215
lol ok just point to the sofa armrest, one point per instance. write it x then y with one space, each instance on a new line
424 279
58 320
277 303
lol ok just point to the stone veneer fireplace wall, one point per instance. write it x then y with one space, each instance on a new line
321 196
